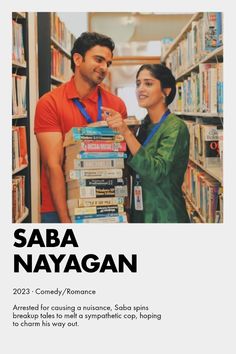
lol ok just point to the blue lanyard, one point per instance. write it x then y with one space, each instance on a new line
156 127
85 113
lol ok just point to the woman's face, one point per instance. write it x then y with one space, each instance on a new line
148 90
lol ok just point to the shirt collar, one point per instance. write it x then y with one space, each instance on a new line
71 91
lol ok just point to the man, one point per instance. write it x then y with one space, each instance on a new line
73 104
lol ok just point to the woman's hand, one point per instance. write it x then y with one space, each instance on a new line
114 120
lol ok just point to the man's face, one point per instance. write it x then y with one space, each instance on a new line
93 68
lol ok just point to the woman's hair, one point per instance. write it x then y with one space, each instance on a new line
88 40
164 75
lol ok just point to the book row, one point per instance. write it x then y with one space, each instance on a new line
18 197
204 36
206 144
18 49
19 106
202 91
60 65
205 194
19 147
60 33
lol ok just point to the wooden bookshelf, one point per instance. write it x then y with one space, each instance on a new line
183 73
47 41
20 68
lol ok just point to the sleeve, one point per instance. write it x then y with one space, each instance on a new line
46 116
122 108
155 167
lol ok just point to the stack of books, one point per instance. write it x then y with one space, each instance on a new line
94 164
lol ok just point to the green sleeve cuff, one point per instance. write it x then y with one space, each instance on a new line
135 162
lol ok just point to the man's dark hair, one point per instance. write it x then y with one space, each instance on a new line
164 75
88 40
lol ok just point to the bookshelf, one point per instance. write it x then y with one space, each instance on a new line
21 174
196 60
54 46
25 157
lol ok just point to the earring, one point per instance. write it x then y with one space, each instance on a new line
164 99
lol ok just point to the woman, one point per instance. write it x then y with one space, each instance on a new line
159 154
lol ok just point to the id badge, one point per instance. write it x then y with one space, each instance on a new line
138 198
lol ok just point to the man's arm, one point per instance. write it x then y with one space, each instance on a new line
51 150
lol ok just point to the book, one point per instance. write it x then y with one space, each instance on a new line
15 148
77 203
18 197
96 146
93 164
97 192
76 183
208 87
209 155
18 49
219 29
19 147
19 94
220 95
88 174
104 219
190 124
97 210
210 37
97 155
23 153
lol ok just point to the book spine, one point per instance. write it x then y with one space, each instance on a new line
105 219
93 202
97 192
219 37
100 164
98 131
96 183
101 146
88 174
101 155
97 210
